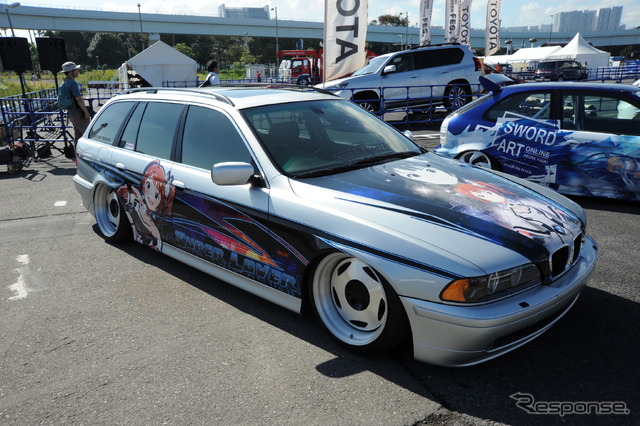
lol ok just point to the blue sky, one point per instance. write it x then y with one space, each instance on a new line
513 12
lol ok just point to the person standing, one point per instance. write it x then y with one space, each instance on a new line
213 79
78 112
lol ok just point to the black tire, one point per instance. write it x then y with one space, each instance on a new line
456 95
303 81
368 102
356 305
113 224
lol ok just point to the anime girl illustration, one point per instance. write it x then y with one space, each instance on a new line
524 215
149 204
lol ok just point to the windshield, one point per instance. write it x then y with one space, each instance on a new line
373 66
316 138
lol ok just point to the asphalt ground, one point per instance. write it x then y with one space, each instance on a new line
94 333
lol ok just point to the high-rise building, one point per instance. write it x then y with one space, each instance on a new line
243 12
609 19
605 19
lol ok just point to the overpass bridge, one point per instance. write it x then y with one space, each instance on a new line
66 19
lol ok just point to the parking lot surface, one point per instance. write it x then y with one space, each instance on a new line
94 333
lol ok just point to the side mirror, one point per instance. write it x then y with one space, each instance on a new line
232 173
389 69
408 134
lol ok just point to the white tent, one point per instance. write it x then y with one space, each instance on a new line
579 50
524 58
160 63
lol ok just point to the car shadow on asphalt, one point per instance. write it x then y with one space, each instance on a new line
590 355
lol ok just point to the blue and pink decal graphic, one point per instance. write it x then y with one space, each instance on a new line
210 229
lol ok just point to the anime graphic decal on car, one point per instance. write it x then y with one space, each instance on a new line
574 162
148 205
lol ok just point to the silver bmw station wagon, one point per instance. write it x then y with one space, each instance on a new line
310 202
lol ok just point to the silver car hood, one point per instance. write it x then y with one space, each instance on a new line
447 203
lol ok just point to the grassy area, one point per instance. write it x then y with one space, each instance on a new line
10 81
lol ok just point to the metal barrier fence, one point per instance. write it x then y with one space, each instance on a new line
35 120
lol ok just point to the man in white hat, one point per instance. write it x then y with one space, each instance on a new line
78 112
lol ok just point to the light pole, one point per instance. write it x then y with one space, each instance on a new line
6 9
406 30
550 30
277 47
140 19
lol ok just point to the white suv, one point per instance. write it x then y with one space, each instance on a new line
442 74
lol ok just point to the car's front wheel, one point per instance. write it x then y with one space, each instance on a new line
356 305
478 158
113 224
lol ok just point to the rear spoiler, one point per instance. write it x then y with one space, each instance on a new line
495 82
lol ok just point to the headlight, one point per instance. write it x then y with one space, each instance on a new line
443 130
487 287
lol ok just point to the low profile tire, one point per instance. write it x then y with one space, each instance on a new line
456 96
478 158
113 224
356 306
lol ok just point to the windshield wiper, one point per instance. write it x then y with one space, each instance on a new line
365 162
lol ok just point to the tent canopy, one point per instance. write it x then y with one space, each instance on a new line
579 50
159 63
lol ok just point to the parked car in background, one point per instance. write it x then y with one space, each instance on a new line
560 70
308 201
577 138
440 74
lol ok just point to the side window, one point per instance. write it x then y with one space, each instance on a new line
210 137
157 129
403 62
106 125
605 114
531 104
438 58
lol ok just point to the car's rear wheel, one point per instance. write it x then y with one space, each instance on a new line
478 158
113 224
456 95
356 305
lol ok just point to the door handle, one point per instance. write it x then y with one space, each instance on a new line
178 184
120 166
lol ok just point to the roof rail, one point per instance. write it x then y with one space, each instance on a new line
285 86
217 96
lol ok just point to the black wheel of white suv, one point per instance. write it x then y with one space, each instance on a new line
113 224
356 305
456 95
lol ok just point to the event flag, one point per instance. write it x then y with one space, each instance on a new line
492 36
345 33
464 35
426 9
452 21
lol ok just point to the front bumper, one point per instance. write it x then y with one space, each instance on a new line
457 336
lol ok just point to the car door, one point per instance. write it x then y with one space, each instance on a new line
143 160
226 225
400 81
602 135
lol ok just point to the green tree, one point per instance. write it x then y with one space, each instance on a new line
184 49
392 21
108 49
